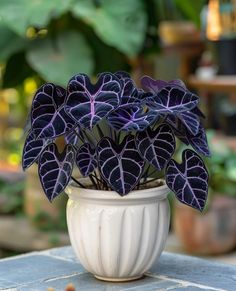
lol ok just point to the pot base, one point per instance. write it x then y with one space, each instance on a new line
110 279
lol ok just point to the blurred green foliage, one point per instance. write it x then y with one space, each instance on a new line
11 199
221 167
180 9
56 39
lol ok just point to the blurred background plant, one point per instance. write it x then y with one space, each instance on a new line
50 41
221 167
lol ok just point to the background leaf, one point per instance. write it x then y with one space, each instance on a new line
59 59
10 43
20 14
121 24
16 71
191 9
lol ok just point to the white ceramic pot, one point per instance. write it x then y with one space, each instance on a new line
118 238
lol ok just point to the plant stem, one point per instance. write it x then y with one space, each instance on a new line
154 171
145 174
100 131
93 181
146 182
111 132
96 177
89 139
119 134
79 135
77 182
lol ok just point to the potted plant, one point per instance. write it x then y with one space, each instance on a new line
118 136
214 232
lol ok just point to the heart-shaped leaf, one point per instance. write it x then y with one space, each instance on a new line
120 165
171 100
188 119
122 75
48 116
88 103
32 150
131 117
55 169
199 141
130 94
156 147
156 85
188 180
128 88
180 133
86 159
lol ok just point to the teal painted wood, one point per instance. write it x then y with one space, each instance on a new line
58 267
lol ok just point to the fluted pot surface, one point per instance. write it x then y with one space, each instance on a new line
118 238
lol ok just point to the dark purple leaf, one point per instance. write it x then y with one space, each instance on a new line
188 180
172 100
188 119
131 117
55 169
181 134
130 94
86 159
121 166
154 86
199 142
88 103
72 137
48 116
156 147
198 112
32 150
122 75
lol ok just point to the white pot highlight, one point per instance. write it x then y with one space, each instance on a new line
118 238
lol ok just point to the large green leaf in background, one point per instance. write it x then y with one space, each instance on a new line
10 43
57 60
20 14
121 24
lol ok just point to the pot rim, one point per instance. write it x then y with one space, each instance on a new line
157 193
